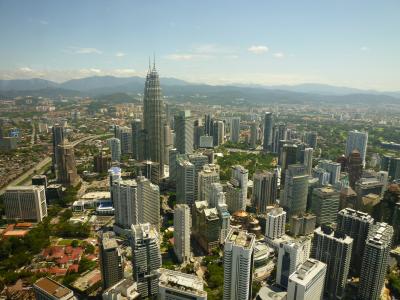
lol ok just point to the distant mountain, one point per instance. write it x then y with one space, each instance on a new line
26 84
322 89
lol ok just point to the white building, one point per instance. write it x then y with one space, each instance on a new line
125 289
182 224
333 168
275 223
115 147
290 255
308 156
26 203
174 285
209 175
216 195
238 265
357 140
308 281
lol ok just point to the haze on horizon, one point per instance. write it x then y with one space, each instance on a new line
344 43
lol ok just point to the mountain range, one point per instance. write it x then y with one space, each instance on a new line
179 90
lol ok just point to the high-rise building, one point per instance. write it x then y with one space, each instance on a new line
333 168
146 258
310 138
124 134
208 125
182 224
198 131
308 159
279 133
115 148
110 258
101 162
238 265
48 289
322 175
303 224
154 118
174 285
168 142
354 167
125 289
357 225
173 154
150 170
185 182
198 160
296 189
325 204
218 133
148 202
268 123
275 223
265 189
333 249
287 157
216 195
184 132
236 189
57 139
235 130
253 135
136 126
206 177
291 254
375 261
357 140
27 203
308 281
66 165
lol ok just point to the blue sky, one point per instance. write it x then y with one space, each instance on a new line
348 43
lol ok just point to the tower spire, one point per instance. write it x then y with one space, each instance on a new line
154 60
149 63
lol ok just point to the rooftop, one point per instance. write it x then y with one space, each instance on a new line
307 271
181 281
52 288
241 238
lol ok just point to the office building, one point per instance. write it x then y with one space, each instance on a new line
198 160
308 281
354 168
48 289
146 258
25 203
265 189
268 123
296 189
136 127
57 139
275 223
235 130
310 138
238 265
110 259
206 141
182 224
150 170
148 204
325 204
216 195
357 140
101 162
206 177
333 168
153 119
218 133
375 261
184 132
253 135
40 180
322 175
173 155
236 189
357 225
208 125
308 159
303 224
115 148
279 133
198 131
334 249
125 289
174 285
66 165
185 182
291 254
124 134
168 142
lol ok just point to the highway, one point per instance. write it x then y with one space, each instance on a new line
40 165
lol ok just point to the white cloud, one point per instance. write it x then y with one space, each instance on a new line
43 22
26 69
187 56
364 48
78 50
279 55
258 49
120 54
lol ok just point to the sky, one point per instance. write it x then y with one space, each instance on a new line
354 43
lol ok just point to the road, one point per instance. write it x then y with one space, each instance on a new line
40 165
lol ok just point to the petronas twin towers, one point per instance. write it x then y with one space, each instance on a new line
153 118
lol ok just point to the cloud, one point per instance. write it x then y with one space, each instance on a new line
187 56
258 49
25 69
364 48
78 50
120 54
43 22
204 52
279 55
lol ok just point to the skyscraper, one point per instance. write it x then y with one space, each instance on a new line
265 188
115 147
182 224
27 203
355 167
268 123
333 168
325 204
66 165
308 159
136 126
110 258
218 133
308 281
236 189
291 254
253 135
208 124
279 133
146 258
238 265
357 225
216 195
57 139
235 130
124 134
148 202
333 249
357 140
185 182
153 118
184 132
198 160
275 223
209 175
375 261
